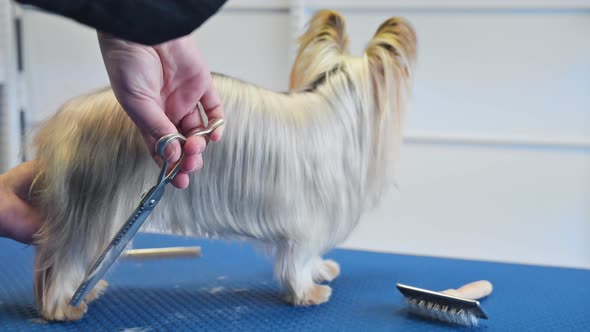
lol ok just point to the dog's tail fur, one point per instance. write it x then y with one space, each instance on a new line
74 150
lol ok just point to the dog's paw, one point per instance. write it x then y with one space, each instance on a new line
315 295
327 270
97 291
64 312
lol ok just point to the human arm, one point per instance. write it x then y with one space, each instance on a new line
158 85
147 22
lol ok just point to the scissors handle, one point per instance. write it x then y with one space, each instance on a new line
211 126
165 140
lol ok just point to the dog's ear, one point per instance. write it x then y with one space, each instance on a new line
391 55
320 48
392 51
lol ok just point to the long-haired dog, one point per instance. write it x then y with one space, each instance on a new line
294 171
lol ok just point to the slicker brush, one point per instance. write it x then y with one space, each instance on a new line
455 306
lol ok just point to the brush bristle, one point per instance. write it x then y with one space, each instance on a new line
442 312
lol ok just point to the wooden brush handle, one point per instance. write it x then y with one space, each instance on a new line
172 252
473 291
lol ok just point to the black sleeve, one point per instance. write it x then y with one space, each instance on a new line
142 21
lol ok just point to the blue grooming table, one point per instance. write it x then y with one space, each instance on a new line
231 288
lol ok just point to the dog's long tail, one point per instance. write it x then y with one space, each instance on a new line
92 169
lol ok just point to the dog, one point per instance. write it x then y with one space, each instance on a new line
294 171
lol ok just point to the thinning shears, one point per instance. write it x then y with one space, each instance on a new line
147 204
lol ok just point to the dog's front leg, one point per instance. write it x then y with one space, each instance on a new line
298 268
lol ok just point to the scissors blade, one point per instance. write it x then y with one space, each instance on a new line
118 244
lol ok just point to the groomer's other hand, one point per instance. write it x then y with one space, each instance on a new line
159 88
18 218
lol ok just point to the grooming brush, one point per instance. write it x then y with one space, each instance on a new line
457 306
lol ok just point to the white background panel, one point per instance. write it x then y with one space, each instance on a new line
502 77
503 73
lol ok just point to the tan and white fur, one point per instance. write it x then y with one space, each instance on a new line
293 172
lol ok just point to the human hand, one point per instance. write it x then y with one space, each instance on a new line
159 88
18 218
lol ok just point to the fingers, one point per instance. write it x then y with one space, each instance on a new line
18 218
153 124
193 145
181 180
214 110
20 178
20 221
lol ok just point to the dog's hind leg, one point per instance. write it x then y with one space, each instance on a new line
63 258
295 267
93 166
64 254
55 285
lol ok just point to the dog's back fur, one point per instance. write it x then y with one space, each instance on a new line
294 171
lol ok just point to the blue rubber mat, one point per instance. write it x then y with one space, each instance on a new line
231 288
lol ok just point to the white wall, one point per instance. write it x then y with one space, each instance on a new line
496 164
10 138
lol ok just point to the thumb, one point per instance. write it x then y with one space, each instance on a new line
20 178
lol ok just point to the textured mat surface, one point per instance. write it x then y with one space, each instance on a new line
230 288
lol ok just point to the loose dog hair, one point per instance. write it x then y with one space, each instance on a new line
293 172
